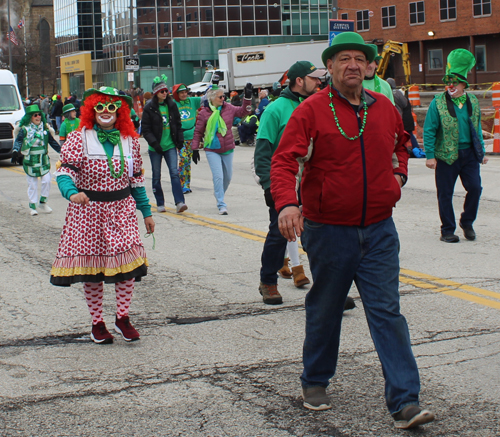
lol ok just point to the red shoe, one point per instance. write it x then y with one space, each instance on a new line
123 327
100 334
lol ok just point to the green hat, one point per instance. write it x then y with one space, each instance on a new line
378 58
159 83
182 87
69 107
108 91
348 41
304 68
458 64
32 109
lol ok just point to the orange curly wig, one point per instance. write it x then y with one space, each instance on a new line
123 122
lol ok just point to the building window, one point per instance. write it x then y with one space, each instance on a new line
388 17
447 10
344 16
362 20
208 15
417 13
188 21
436 59
480 58
179 25
146 30
481 8
165 28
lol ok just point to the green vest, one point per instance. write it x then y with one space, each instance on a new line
36 159
446 148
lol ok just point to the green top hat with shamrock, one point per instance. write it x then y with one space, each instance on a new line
458 65
108 91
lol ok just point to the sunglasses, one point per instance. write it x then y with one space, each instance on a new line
37 115
110 107
220 97
162 91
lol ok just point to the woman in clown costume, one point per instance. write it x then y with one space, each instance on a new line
101 175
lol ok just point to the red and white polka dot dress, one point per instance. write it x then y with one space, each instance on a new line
100 241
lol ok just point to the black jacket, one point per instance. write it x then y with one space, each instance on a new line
57 109
152 124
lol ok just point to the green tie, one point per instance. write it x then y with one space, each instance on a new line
112 136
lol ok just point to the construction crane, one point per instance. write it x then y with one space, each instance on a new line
389 49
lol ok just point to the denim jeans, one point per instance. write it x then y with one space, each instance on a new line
222 172
339 255
467 167
273 253
171 160
58 122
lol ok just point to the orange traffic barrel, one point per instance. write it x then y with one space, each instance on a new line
496 133
414 95
496 94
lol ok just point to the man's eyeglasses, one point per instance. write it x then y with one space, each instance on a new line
110 107
37 115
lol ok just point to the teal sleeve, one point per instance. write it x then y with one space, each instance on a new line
431 126
142 201
66 186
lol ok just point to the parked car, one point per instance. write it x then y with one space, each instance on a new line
11 111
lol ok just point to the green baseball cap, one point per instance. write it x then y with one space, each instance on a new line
304 68
69 107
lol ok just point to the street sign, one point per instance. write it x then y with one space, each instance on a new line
132 64
339 26
370 14
130 76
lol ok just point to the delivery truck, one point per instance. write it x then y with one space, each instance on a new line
11 111
260 65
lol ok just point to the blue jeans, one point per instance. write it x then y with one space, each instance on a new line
467 167
273 252
58 122
171 160
222 172
339 255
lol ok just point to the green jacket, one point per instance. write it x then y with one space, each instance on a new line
379 85
272 124
445 134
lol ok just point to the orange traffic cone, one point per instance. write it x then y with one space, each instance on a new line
414 95
496 132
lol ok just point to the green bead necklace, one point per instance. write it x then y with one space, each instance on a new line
110 162
363 124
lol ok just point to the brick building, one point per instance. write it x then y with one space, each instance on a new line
432 29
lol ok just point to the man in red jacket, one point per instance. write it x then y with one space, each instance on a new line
346 137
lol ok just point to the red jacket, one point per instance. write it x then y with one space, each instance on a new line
228 114
344 182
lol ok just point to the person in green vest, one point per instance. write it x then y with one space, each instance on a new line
374 83
33 136
454 146
70 123
188 107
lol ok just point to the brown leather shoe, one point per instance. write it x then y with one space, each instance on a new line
270 294
299 277
285 271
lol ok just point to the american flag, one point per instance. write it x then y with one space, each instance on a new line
12 36
20 25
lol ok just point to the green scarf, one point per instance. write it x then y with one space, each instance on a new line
214 124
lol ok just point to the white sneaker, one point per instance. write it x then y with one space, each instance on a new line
223 211
43 207
161 209
33 212
181 207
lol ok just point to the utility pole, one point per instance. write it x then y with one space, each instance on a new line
335 9
8 30
157 40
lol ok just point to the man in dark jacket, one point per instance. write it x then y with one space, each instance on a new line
162 129
56 112
349 188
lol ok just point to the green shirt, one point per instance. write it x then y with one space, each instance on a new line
166 142
187 110
68 126
379 86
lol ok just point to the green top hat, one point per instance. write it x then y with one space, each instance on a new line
458 64
348 41
69 107
108 91
32 109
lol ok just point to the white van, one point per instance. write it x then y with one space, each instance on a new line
11 111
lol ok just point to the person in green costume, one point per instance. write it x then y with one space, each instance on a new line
454 146
33 135
374 83
188 107
70 123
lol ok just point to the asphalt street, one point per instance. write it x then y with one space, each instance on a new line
213 360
